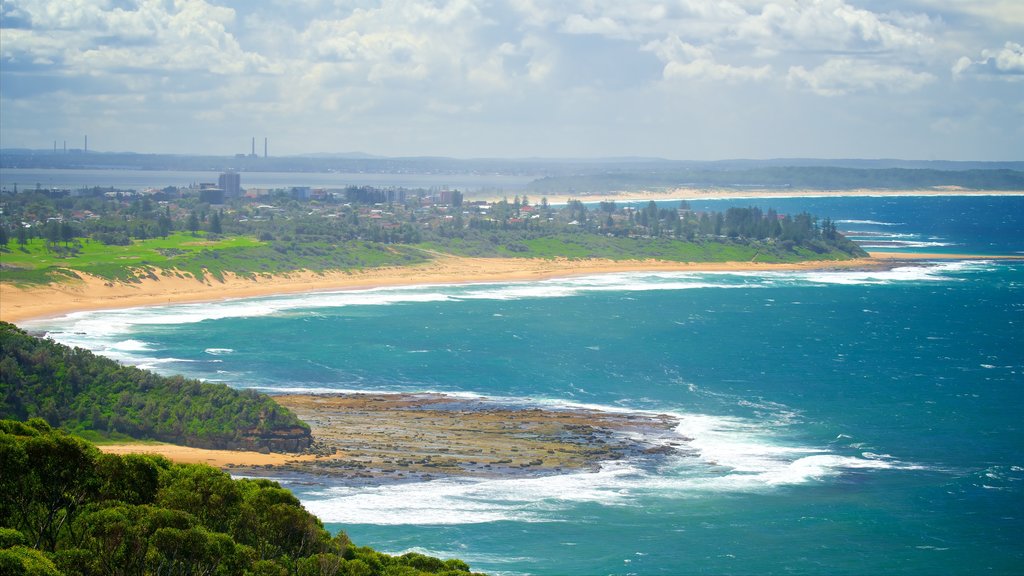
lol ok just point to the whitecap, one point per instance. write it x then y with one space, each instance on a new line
218 351
131 346
869 222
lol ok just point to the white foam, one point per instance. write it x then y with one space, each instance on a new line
103 329
218 351
724 454
869 222
131 346
545 499
906 244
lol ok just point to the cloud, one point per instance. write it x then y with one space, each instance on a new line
832 26
1006 63
841 76
87 37
684 61
598 74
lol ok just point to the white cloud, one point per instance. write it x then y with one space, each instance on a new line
87 38
548 72
832 25
688 62
1006 62
840 76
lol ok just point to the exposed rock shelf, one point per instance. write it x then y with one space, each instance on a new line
388 437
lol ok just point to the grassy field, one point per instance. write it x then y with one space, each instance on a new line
198 256
201 256
581 246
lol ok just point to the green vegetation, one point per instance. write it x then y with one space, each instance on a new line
188 255
80 391
126 237
67 509
651 232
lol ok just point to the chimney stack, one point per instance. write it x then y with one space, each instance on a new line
264 146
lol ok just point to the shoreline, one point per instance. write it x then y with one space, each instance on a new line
686 193
21 304
466 437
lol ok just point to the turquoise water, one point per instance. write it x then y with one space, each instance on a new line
840 422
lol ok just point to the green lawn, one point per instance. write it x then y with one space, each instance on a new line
581 246
197 256
201 256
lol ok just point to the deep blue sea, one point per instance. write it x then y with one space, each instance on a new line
842 422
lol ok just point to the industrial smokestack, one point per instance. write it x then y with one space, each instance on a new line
253 153
86 142
264 146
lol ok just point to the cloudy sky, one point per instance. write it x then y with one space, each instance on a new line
681 79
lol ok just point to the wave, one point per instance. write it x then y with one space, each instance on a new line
730 455
902 244
131 346
855 234
109 331
869 222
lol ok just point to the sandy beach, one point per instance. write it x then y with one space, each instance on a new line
725 193
19 304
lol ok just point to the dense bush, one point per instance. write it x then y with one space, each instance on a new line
65 508
79 391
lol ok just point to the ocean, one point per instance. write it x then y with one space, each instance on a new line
839 422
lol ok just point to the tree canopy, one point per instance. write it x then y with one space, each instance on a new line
78 390
68 509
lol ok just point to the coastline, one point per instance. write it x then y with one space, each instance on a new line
685 193
18 304
350 429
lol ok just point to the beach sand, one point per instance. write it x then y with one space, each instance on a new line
90 293
726 193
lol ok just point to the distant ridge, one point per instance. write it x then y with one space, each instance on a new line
568 175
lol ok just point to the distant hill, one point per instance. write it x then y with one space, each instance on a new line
571 174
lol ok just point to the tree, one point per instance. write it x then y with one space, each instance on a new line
163 225
67 232
206 492
215 226
47 476
193 223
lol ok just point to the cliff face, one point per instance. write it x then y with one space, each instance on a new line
284 440
290 440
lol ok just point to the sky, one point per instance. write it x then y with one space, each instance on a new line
683 79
